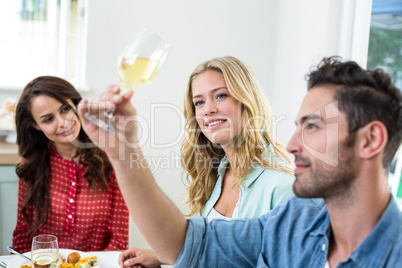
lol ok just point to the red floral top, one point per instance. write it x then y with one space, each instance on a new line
80 218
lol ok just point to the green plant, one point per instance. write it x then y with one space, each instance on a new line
385 51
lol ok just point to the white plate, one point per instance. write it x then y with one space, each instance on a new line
106 259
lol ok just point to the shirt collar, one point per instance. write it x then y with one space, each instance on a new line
375 248
222 166
369 253
254 172
321 224
54 153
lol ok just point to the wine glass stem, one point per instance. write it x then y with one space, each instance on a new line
109 113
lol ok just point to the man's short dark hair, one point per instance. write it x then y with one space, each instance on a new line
364 96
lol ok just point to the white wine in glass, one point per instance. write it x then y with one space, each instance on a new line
137 66
45 251
138 72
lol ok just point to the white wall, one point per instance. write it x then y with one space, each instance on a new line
198 30
279 39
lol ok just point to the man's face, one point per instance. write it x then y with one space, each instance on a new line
325 163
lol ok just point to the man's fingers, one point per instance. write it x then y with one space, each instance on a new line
126 256
87 125
113 88
127 96
133 261
82 108
98 107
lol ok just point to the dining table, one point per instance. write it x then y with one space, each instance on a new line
106 259
6 258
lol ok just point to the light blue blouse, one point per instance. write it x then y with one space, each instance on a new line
263 190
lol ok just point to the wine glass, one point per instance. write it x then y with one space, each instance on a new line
45 251
137 65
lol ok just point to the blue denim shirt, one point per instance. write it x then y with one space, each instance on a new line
294 234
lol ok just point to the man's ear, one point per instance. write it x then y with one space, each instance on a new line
372 139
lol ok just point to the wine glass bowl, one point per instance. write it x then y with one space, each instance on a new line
45 251
141 60
137 66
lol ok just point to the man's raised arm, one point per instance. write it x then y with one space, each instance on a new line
159 220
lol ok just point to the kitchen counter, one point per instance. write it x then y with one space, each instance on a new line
8 193
9 154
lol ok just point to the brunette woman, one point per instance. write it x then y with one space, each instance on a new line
67 186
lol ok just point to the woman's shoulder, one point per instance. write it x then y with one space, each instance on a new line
271 177
277 173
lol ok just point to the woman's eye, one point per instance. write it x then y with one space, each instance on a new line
65 109
198 103
220 96
47 120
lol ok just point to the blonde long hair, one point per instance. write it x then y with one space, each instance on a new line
200 158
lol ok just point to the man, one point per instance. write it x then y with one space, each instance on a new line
348 129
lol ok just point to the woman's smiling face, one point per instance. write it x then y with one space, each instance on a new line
217 112
57 121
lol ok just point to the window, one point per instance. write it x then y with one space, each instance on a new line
385 42
42 37
385 51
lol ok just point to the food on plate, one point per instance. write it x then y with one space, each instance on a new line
61 260
86 262
73 262
73 257
67 265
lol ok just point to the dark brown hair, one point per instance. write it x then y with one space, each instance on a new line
35 148
364 96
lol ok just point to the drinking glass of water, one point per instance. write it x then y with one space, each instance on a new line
45 251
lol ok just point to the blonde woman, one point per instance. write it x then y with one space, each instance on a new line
229 123
234 167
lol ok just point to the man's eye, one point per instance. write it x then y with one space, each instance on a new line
311 126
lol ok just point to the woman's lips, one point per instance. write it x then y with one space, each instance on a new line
67 132
213 124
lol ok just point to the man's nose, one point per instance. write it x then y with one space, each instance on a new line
294 145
